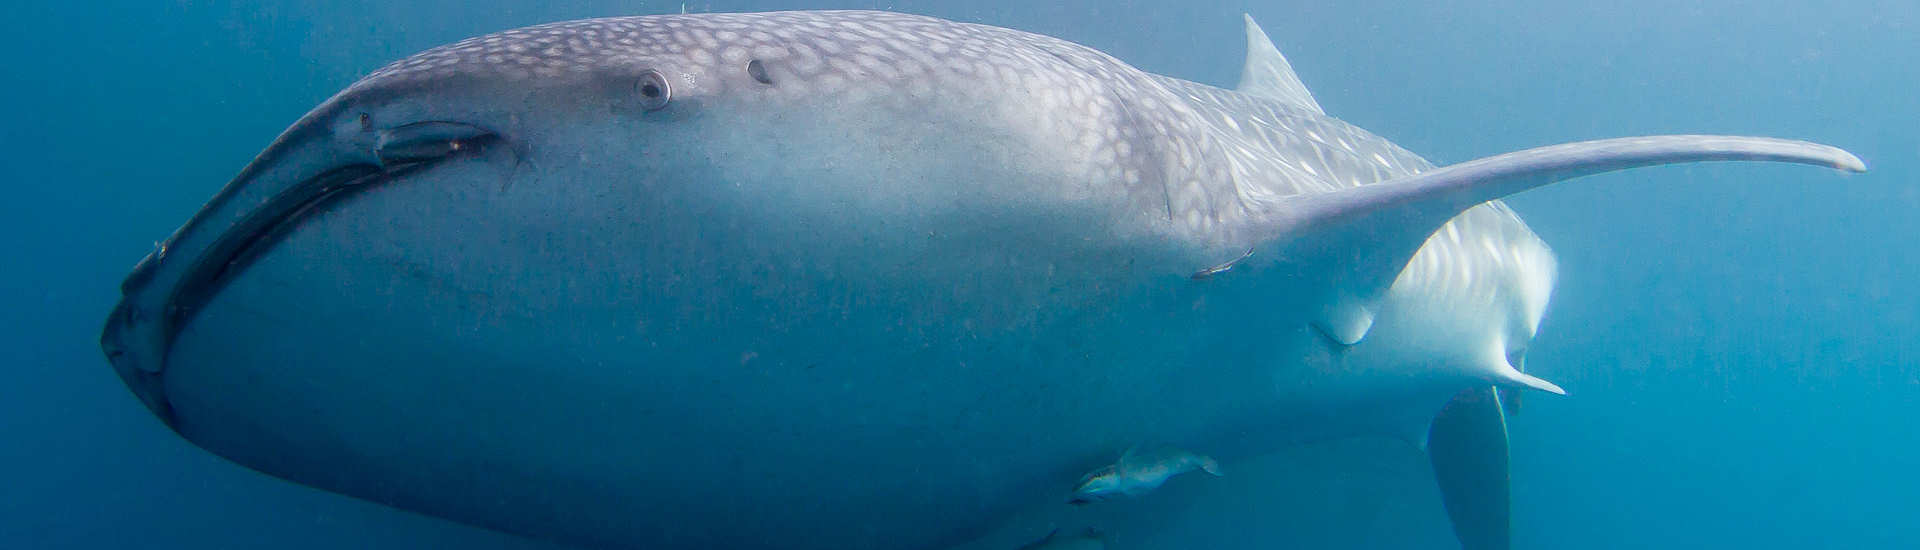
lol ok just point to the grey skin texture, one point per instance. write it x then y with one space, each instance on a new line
822 279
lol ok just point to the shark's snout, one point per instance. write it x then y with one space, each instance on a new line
139 371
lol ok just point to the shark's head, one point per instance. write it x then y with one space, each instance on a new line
806 119
671 167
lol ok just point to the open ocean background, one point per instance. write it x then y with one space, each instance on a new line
1742 343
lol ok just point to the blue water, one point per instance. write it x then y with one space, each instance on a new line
1742 343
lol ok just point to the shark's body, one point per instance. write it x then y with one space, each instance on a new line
833 280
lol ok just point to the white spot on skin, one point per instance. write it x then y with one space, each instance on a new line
769 53
699 56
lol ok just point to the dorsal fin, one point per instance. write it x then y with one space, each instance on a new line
1267 73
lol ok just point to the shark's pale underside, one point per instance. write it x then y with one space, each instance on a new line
837 280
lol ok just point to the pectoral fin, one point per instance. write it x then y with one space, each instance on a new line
1354 242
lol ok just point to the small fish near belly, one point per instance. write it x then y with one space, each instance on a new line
1139 472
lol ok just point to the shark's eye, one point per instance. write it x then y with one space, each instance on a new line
654 90
758 71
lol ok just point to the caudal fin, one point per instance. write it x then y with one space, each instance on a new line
1467 446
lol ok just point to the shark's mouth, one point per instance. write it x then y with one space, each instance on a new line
174 282
230 254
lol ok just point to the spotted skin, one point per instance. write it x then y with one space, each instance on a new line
1203 164
1201 160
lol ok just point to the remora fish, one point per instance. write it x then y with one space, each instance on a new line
623 282
1138 472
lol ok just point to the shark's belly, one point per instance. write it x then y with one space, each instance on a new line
665 372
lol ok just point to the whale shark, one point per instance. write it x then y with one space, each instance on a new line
839 279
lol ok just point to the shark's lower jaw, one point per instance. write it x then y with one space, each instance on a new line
141 329
143 326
